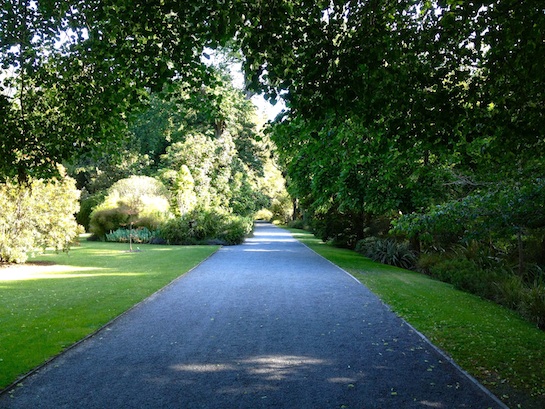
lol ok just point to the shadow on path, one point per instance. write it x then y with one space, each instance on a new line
267 324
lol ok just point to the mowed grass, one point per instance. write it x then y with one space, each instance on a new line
57 299
504 352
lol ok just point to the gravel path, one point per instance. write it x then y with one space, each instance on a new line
268 324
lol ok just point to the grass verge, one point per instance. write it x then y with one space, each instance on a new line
494 344
57 299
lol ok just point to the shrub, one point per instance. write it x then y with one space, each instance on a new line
468 276
510 292
107 220
140 200
177 231
201 226
533 305
87 204
140 235
235 229
426 261
37 215
281 207
264 214
298 224
387 251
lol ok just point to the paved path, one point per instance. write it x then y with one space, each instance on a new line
268 324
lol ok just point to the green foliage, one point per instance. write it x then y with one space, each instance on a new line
503 210
264 214
37 215
533 306
495 345
468 276
387 251
474 270
107 220
202 226
87 204
96 175
245 199
235 229
77 83
510 291
138 235
138 200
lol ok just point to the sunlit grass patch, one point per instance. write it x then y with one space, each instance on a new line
58 299
492 343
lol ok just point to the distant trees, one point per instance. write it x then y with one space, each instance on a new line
204 146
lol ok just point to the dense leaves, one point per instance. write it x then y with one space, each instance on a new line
37 215
72 72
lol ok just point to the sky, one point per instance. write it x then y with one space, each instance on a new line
270 111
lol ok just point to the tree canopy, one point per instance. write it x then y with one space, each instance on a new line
73 72
393 106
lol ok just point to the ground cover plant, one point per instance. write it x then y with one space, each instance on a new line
59 299
492 343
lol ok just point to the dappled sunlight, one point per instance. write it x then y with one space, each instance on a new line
267 251
429 404
266 367
38 272
268 239
263 237
278 367
263 375
343 381
203 368
270 233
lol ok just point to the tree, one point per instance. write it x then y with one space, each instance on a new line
37 215
73 72
398 106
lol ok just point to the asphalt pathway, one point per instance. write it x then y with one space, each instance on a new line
267 324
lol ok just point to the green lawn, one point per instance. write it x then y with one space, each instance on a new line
492 343
46 308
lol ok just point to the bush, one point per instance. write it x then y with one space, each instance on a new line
139 235
426 261
194 227
468 276
264 214
201 226
533 305
177 231
510 292
387 251
107 220
87 204
36 216
140 200
298 224
235 229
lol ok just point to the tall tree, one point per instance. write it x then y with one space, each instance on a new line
72 71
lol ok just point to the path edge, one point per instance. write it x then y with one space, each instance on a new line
448 358
12 386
